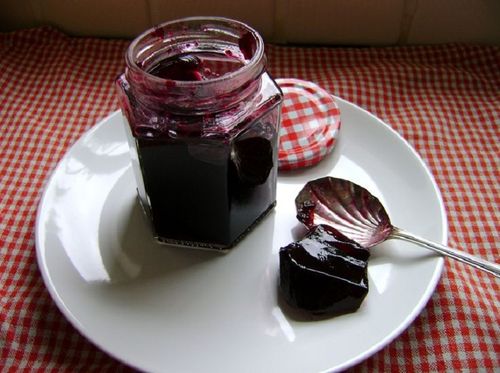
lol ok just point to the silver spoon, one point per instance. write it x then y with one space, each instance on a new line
360 216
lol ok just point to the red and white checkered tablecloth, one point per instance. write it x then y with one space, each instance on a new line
445 100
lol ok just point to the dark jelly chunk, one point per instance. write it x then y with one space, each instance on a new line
324 273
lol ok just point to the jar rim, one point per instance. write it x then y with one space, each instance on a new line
252 64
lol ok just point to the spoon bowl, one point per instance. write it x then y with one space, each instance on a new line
361 217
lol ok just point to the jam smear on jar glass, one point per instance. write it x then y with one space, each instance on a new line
203 121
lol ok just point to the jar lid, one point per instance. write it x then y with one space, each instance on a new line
310 122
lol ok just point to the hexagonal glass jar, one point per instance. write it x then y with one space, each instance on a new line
203 122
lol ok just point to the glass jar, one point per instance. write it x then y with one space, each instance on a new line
203 121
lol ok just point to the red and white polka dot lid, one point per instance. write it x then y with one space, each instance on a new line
310 123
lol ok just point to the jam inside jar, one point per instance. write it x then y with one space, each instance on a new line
203 121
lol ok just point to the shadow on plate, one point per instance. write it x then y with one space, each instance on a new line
127 247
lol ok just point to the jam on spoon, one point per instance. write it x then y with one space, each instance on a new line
326 271
360 216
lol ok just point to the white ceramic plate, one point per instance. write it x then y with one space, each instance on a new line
182 310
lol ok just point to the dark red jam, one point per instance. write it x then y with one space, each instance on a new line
200 192
324 273
204 118
197 66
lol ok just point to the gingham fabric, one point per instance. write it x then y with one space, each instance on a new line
310 123
443 99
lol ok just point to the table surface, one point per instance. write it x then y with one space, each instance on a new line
445 100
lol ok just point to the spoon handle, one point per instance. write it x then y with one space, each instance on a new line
462 256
